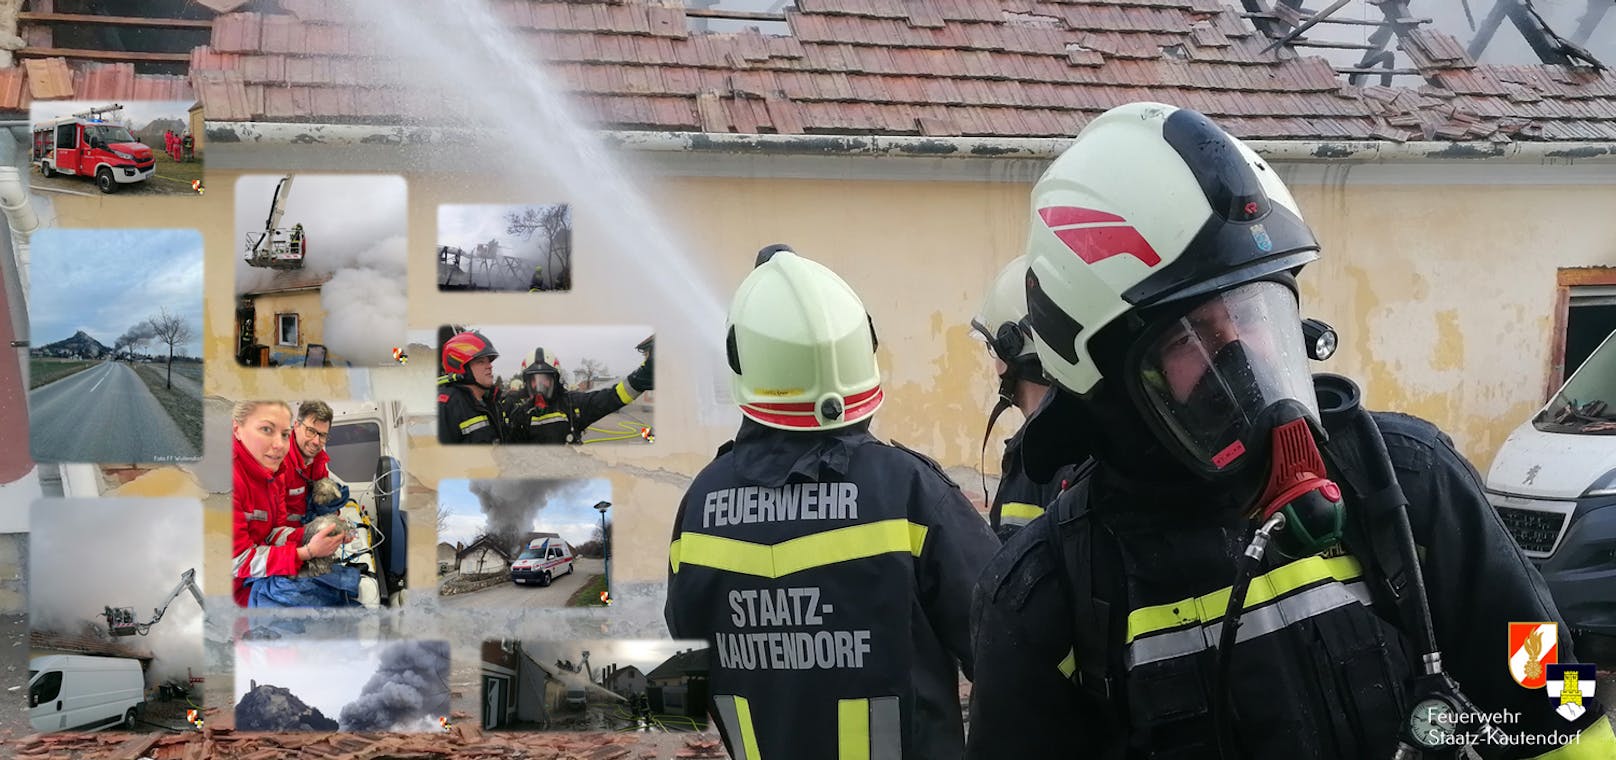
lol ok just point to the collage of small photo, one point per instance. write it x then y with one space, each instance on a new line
123 651
521 384
320 271
618 685
521 249
331 529
115 365
138 149
522 544
342 685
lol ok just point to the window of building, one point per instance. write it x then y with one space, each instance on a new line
1585 316
286 329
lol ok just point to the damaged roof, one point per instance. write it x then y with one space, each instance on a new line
462 739
86 645
988 68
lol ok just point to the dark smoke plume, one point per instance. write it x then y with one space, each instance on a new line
511 505
411 683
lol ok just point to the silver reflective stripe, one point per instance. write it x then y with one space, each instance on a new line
258 514
294 518
886 743
278 536
240 559
259 566
731 721
474 427
537 421
1255 622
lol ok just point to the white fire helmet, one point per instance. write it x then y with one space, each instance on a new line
801 346
1155 206
1002 320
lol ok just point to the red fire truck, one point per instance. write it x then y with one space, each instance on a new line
85 145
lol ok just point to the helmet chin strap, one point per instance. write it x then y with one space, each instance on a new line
1007 396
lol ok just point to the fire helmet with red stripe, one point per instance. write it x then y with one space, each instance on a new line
464 348
1161 257
801 346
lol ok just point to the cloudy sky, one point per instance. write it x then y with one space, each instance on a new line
150 541
138 112
466 226
105 281
324 674
571 512
644 654
613 345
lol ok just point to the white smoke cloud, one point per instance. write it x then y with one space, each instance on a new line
356 236
365 304
88 554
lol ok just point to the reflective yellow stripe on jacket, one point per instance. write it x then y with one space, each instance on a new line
798 554
1596 742
1018 513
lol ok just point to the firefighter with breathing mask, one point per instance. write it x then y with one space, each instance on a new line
1370 585
1002 324
549 412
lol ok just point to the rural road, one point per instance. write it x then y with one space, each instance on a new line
510 596
103 414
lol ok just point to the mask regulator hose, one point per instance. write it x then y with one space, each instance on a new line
1301 511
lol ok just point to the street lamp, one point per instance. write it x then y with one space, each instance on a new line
605 545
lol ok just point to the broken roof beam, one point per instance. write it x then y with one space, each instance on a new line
1264 18
1590 21
1489 27
90 18
120 56
1406 21
734 15
1306 25
1538 35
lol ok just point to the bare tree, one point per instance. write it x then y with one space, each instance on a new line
554 222
170 329
589 369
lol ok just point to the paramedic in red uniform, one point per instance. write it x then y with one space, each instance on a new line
262 543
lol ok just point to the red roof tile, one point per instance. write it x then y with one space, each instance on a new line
969 67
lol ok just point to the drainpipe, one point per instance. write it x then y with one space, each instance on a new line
23 222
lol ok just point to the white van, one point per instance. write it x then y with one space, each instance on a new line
1554 485
68 692
542 561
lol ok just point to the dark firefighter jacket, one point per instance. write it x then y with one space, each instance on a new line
832 574
463 418
569 416
1020 498
1316 672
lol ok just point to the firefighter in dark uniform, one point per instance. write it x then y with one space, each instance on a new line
468 400
1178 352
1002 324
829 570
550 413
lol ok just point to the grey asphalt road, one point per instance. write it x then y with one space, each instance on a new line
103 414
511 596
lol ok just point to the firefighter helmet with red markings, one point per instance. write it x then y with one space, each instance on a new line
464 348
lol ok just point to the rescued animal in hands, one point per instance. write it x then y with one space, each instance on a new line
317 566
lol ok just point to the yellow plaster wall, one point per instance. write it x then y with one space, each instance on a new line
1442 294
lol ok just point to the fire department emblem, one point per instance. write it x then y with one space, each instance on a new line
1568 686
1532 648
1260 236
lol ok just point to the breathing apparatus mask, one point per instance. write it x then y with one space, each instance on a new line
1225 386
542 386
